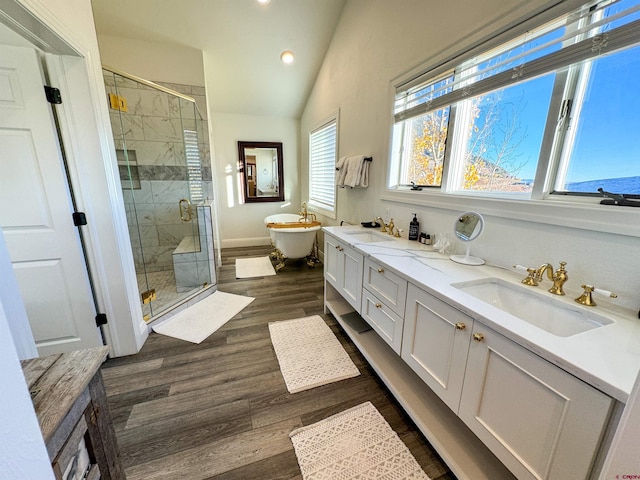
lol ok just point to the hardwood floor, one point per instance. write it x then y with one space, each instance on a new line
220 410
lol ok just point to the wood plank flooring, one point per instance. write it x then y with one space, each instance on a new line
220 410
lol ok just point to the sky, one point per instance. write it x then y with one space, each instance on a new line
606 124
607 142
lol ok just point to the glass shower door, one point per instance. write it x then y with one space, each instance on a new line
157 145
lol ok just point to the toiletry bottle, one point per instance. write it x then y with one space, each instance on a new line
414 227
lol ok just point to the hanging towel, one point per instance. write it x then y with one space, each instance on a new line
364 175
341 171
353 171
353 165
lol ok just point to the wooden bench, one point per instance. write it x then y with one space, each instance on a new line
71 405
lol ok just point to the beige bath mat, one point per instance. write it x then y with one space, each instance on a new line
355 444
254 267
309 353
200 320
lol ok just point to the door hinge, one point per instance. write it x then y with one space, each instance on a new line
101 319
79 219
53 94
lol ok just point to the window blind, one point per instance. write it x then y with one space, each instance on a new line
194 166
322 166
583 35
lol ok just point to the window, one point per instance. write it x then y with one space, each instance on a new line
322 167
422 138
603 151
194 166
552 111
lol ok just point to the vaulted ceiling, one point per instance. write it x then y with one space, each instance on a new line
240 39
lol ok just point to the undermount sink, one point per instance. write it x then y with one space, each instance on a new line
369 237
538 308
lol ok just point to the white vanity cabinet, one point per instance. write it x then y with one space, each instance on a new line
383 300
343 270
435 344
492 408
542 422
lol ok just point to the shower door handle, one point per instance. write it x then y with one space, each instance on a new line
186 211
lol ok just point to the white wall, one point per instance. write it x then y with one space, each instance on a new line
11 302
242 224
23 455
378 41
153 61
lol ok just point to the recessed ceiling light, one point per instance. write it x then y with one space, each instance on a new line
287 57
264 2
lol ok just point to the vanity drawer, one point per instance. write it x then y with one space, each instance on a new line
386 323
390 288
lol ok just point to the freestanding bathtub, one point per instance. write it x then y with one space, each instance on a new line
292 237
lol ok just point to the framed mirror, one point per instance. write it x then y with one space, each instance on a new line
262 171
467 228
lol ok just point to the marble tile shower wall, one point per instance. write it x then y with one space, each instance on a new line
153 129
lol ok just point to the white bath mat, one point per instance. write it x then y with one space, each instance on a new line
254 267
309 353
200 320
357 443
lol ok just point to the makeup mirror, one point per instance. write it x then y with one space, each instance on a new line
467 228
262 171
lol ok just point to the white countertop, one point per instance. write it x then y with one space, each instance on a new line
607 357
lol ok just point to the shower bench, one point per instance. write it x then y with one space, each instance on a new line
193 258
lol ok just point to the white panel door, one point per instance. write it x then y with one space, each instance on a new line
35 212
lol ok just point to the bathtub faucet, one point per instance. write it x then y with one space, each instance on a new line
304 214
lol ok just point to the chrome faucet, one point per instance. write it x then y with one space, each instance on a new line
559 277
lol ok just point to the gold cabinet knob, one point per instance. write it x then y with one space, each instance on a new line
381 270
460 326
378 305
478 337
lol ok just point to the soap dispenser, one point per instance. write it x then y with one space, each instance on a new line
414 228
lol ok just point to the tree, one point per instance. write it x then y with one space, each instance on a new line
493 153
493 140
429 137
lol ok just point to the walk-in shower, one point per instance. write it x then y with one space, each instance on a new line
162 149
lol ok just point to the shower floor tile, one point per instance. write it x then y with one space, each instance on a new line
164 283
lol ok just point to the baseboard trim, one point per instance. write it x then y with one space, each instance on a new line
245 242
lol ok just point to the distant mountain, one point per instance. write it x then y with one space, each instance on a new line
628 185
504 182
497 179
